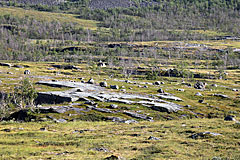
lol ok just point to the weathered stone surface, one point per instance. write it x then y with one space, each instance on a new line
49 98
61 121
163 107
136 115
60 109
100 94
221 95
169 97
104 110
120 101
129 121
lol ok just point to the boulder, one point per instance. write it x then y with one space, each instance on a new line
18 66
103 84
22 115
158 83
180 90
153 138
229 118
235 90
91 81
161 90
5 64
169 97
200 85
204 135
27 72
221 95
113 106
198 94
65 66
113 157
136 115
214 85
114 87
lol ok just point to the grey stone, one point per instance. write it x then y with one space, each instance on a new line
136 115
101 149
18 66
198 94
114 87
61 121
153 138
65 66
200 85
229 118
27 72
214 85
129 121
221 95
9 73
161 90
235 90
113 106
120 101
104 110
158 83
43 129
6 130
103 84
169 97
180 90
5 64
91 81
203 135
113 157
115 119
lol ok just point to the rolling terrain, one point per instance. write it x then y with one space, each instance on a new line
131 79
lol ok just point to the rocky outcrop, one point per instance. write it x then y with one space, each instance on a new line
101 94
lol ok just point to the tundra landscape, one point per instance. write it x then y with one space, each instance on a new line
120 79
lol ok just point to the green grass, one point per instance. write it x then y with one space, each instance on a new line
119 140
